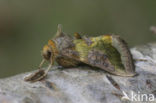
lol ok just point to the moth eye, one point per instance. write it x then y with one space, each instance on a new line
46 52
47 55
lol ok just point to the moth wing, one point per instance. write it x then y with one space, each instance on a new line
95 58
126 57
114 60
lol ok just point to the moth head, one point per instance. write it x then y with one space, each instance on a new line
47 52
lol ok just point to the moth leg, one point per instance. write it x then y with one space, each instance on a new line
50 65
47 70
42 62
39 75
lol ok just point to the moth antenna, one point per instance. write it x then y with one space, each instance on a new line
59 30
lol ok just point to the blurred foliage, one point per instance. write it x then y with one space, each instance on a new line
26 25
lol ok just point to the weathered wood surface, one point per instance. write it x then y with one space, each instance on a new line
85 85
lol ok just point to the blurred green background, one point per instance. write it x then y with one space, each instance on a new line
26 25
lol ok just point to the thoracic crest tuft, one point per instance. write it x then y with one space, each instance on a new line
59 31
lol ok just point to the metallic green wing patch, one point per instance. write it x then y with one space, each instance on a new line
107 52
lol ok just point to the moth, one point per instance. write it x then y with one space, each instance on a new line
107 52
